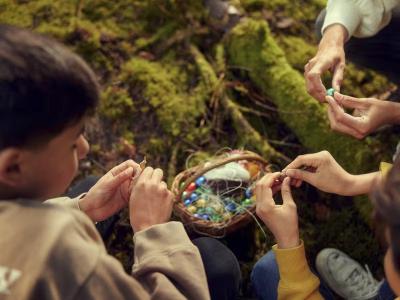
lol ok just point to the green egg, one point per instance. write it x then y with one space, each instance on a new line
201 211
247 202
330 92
210 210
216 218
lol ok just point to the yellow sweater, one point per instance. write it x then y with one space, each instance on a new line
385 168
297 282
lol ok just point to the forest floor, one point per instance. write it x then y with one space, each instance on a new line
179 79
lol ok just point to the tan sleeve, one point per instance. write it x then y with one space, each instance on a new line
66 201
297 282
110 281
168 265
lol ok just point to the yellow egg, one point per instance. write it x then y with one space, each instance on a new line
226 217
200 203
192 209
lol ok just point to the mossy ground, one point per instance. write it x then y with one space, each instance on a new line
167 71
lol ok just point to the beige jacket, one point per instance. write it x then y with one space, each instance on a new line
361 18
54 252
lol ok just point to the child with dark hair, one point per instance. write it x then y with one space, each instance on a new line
54 251
283 273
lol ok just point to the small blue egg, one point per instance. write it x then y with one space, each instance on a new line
187 202
199 181
205 217
231 207
194 197
248 193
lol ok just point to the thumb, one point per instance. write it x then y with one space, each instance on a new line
117 180
286 192
301 175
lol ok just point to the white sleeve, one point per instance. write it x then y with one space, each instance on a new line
361 18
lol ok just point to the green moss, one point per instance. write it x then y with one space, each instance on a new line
32 14
176 112
116 104
297 51
252 47
86 37
159 35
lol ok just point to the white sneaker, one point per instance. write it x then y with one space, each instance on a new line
345 276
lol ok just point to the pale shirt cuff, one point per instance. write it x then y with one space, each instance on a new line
342 12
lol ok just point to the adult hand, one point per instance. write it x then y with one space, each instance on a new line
111 193
281 220
151 202
330 56
327 175
369 114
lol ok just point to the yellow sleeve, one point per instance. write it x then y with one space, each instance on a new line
385 167
297 282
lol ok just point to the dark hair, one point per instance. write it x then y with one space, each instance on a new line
386 199
44 88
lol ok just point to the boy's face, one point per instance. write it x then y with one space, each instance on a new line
48 171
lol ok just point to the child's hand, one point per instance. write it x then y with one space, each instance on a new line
328 175
280 219
111 193
150 202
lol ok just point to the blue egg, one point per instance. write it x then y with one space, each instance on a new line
199 181
194 197
205 217
187 202
248 193
231 207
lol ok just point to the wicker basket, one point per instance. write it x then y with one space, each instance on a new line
206 227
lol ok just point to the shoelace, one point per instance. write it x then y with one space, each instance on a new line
364 285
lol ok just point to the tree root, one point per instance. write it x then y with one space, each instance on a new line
247 133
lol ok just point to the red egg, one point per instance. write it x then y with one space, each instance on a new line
191 187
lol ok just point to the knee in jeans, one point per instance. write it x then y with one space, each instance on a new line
266 265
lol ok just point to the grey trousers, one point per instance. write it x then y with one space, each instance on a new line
380 52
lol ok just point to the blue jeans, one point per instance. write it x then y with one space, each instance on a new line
265 279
